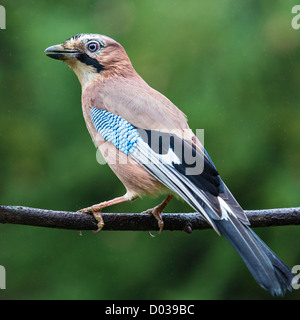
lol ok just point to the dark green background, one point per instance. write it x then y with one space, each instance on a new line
232 67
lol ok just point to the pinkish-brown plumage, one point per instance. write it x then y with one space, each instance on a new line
111 89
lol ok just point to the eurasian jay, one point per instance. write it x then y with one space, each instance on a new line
148 144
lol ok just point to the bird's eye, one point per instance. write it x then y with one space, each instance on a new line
93 46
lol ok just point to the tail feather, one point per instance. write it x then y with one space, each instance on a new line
282 271
267 269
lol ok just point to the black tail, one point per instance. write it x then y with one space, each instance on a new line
267 269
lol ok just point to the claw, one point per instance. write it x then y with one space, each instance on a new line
160 225
150 234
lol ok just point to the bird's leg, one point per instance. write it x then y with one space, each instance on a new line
157 211
97 208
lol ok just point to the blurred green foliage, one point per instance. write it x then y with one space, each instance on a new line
232 67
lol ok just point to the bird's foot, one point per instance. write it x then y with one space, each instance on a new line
96 212
100 224
156 212
96 209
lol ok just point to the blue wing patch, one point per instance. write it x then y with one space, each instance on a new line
115 129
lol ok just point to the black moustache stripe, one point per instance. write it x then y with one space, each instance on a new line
84 58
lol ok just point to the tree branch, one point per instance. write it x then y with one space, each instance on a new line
136 221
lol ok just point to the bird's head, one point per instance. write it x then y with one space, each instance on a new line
92 56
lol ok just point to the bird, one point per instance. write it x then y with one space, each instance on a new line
148 144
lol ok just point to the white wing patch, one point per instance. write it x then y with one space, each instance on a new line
169 157
225 209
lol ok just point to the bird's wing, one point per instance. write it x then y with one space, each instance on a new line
175 162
